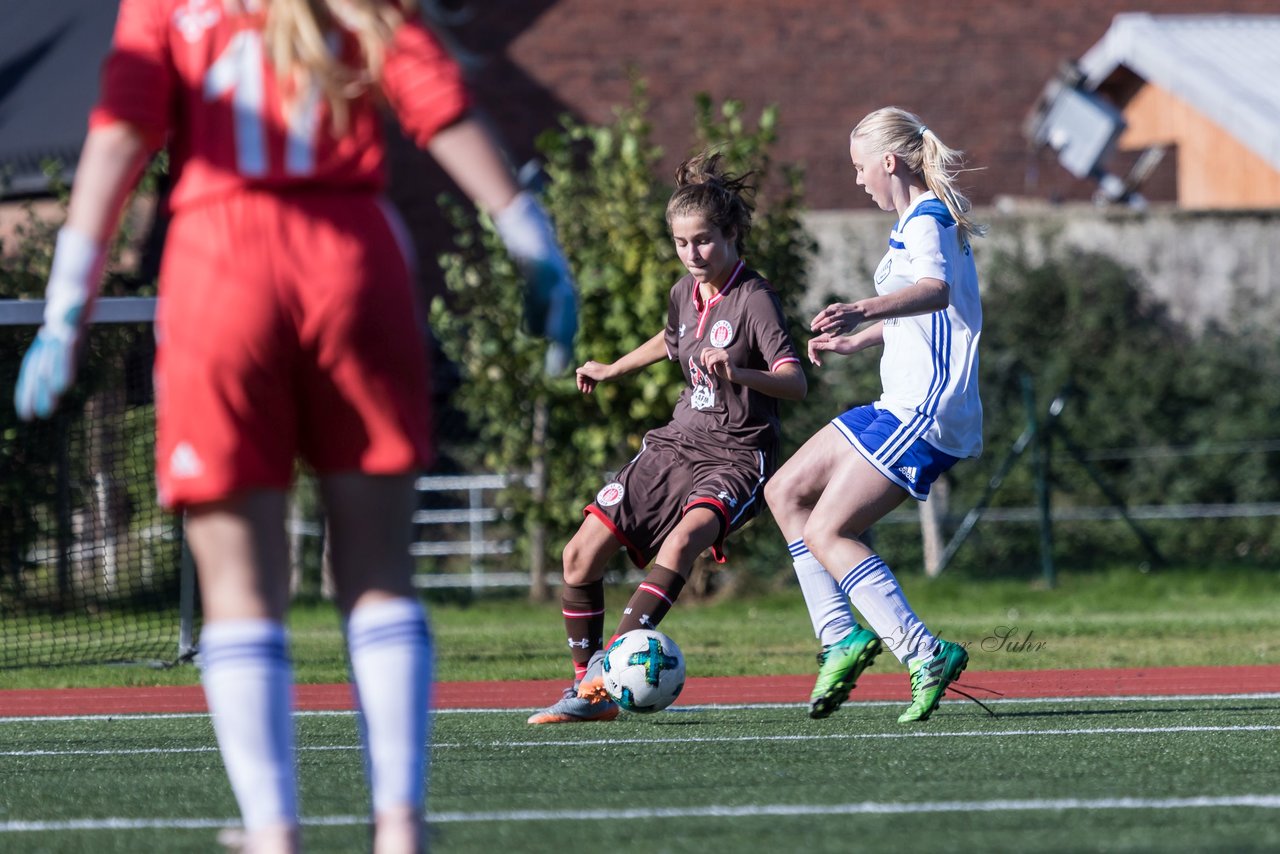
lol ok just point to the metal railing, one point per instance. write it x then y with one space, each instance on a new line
479 517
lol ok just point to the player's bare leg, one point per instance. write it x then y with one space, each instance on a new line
582 604
791 494
390 646
847 649
697 531
857 497
242 559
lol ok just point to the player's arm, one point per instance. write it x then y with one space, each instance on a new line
426 89
470 155
110 163
924 297
767 327
844 345
785 382
593 373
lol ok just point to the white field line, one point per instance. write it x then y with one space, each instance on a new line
679 709
727 739
711 811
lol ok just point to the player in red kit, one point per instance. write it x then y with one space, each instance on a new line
288 326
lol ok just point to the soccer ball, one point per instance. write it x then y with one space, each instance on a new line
643 671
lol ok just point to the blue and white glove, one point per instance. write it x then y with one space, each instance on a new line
550 297
49 368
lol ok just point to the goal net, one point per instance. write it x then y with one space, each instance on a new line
91 569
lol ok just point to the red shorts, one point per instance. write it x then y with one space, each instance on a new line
288 326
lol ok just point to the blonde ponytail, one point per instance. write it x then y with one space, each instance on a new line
898 132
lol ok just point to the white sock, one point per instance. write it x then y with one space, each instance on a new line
390 647
876 594
828 606
248 683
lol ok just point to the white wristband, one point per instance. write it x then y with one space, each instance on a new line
74 277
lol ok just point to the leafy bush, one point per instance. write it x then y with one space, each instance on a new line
609 207
1163 415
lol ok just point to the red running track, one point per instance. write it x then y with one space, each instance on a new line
699 691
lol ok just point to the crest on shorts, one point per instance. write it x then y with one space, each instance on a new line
721 333
610 494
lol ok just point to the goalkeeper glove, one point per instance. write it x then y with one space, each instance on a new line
49 367
550 298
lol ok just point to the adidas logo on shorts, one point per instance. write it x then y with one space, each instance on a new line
185 462
909 472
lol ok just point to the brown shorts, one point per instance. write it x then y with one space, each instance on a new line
643 503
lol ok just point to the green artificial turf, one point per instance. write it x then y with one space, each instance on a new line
1116 618
1086 775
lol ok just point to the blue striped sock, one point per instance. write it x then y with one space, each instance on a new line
390 647
829 609
875 592
248 683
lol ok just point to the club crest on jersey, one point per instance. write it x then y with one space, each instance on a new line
196 16
610 494
721 334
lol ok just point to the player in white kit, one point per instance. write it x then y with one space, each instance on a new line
927 316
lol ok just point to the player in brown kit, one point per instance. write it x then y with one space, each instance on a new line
702 475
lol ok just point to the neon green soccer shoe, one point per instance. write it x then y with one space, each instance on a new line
839 666
929 679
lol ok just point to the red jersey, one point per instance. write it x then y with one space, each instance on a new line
195 76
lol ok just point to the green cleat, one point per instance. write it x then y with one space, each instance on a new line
839 666
929 679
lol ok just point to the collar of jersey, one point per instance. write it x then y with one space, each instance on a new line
920 199
733 280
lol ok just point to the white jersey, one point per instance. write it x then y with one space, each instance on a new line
929 369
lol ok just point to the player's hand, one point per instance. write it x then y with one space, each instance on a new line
49 367
828 343
839 318
716 361
556 302
47 372
550 297
590 375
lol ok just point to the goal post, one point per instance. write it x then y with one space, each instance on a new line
92 569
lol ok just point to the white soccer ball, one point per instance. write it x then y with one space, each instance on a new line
643 671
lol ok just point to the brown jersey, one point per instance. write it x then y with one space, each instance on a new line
746 319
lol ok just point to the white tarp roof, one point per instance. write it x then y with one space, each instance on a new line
1225 66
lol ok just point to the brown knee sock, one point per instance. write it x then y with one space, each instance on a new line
652 600
583 609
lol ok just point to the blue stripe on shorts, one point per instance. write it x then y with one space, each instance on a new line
914 467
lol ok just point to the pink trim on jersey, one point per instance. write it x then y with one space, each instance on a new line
783 360
654 590
704 310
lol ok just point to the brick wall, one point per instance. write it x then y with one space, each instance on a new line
972 70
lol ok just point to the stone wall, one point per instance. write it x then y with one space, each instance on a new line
1222 266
